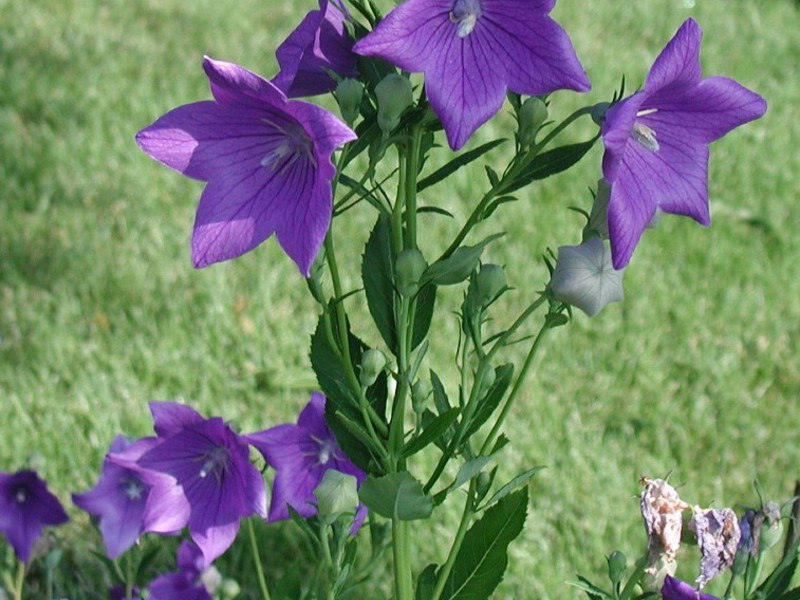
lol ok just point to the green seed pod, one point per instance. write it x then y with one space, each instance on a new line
531 115
348 94
373 362
394 95
409 267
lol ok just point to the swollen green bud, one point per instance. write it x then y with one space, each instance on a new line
373 361
409 267
230 589
491 280
531 115
348 94
337 494
394 95
420 392
482 485
772 527
617 563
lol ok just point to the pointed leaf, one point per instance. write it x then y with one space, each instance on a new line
482 559
493 397
594 592
432 432
377 272
426 582
455 164
396 495
551 162
512 485
456 267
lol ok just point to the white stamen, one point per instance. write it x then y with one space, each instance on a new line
645 136
20 496
646 111
465 14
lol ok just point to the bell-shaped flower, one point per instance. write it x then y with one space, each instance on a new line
675 589
321 43
300 455
473 51
26 506
130 501
210 464
185 583
267 161
585 278
656 141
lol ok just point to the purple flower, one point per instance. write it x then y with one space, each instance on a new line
25 507
300 455
130 501
657 140
183 584
211 465
675 589
267 161
319 44
472 51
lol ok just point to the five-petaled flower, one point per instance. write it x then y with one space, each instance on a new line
267 161
25 507
656 141
675 589
300 455
318 45
183 584
472 51
129 501
211 465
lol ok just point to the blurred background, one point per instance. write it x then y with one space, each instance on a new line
696 374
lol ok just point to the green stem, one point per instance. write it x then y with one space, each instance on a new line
729 589
128 575
633 580
466 517
752 582
262 582
412 168
326 555
397 424
399 204
401 551
19 582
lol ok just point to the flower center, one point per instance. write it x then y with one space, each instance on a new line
294 144
215 461
465 14
132 488
645 134
20 495
327 450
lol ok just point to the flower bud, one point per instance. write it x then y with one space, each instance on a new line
394 95
771 528
373 362
419 395
482 485
230 589
598 219
585 278
211 579
348 94
491 280
617 563
531 115
337 494
409 267
489 376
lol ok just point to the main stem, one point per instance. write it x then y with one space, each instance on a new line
262 582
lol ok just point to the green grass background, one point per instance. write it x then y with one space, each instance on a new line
696 373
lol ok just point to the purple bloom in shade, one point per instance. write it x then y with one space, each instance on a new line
183 584
319 44
267 161
472 51
25 507
656 141
300 455
675 589
130 501
211 465
117 592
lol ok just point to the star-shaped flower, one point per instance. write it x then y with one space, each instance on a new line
130 502
211 465
267 161
472 51
675 589
656 140
319 44
26 506
300 455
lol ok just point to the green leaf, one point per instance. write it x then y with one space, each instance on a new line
781 577
512 485
793 594
551 162
482 559
456 267
396 495
455 164
594 592
433 430
426 583
423 314
377 272
439 395
491 401
302 523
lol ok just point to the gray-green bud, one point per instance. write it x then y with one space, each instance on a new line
373 362
488 380
348 94
772 527
230 589
336 494
491 280
531 115
394 95
617 563
408 268
419 395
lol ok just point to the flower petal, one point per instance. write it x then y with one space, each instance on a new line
678 65
232 84
170 418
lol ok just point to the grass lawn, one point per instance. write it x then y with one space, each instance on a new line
696 373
